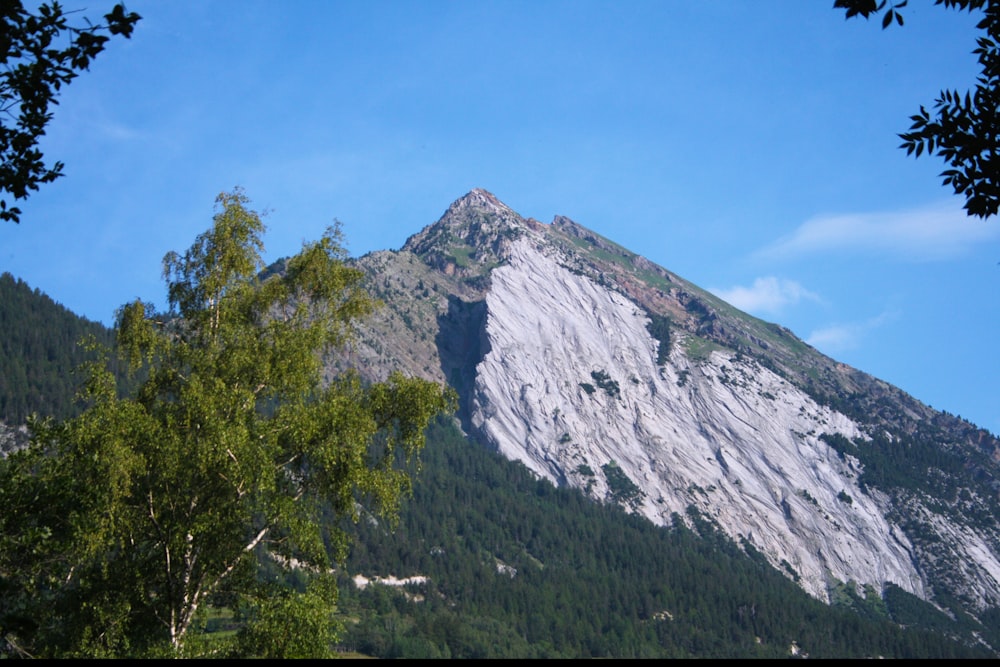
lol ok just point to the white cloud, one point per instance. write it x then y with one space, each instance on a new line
766 295
934 232
840 337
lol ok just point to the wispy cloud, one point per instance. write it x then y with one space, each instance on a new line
117 131
935 232
840 337
766 295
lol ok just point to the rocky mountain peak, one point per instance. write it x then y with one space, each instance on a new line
480 201
470 237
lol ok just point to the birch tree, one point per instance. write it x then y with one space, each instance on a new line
122 526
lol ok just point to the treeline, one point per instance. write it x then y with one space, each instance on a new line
519 568
40 352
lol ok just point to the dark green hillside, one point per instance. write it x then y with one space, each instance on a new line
518 568
39 352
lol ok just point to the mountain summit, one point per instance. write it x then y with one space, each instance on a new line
474 227
600 370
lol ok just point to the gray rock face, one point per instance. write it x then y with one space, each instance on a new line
571 385
12 439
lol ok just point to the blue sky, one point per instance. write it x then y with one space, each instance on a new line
750 146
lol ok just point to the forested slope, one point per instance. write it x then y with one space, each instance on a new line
39 352
519 568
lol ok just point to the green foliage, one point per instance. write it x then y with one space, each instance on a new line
462 256
697 348
659 329
623 491
32 73
288 624
910 610
870 605
908 462
122 524
605 382
840 444
963 129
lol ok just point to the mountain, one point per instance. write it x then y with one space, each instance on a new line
537 326
601 371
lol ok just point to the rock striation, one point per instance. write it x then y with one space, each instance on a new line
571 386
